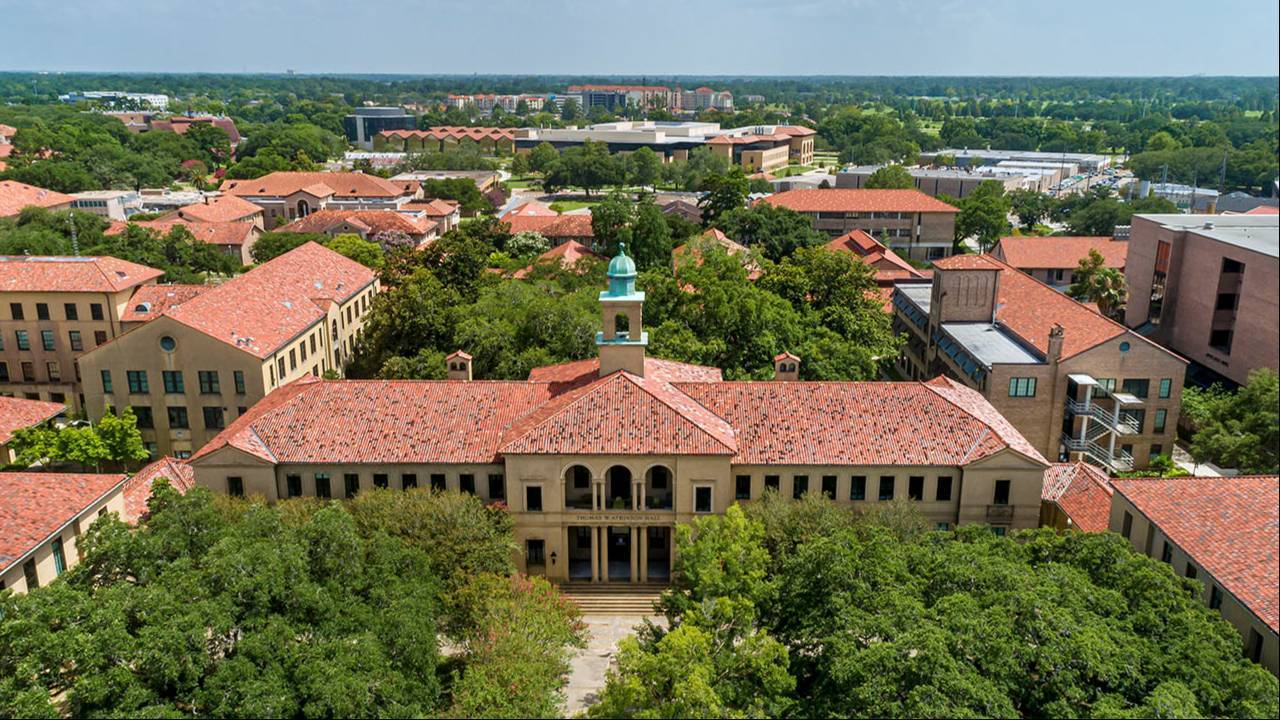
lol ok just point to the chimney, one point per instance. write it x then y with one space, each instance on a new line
786 366
459 365
1055 343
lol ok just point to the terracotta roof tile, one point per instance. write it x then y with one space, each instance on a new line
37 504
1264 210
104 274
137 489
849 200
1230 526
375 221
340 184
15 195
213 233
580 372
435 207
889 266
150 301
1064 253
568 253
223 208
18 413
1082 491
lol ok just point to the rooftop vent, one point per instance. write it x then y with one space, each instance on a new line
1208 224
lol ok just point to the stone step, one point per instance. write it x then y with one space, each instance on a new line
614 598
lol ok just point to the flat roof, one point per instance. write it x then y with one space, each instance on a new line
990 344
919 293
1256 233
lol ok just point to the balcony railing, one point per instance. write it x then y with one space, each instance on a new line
1125 425
1120 461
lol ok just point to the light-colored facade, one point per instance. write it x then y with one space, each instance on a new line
957 183
202 363
110 204
52 311
1075 384
287 196
1207 287
1088 162
598 460
911 223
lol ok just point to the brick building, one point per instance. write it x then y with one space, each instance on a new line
908 221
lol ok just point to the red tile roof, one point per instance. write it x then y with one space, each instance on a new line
435 207
695 247
17 413
847 200
340 184
261 310
1264 210
104 274
889 266
536 217
1029 308
444 132
1059 253
36 505
1230 526
580 372
181 125
150 301
568 253
213 233
223 208
1082 491
7 131
15 195
370 221
137 489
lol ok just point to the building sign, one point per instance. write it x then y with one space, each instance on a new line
622 518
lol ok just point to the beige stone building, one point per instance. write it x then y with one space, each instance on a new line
287 196
1220 532
54 309
198 363
911 223
599 459
1076 384
1207 286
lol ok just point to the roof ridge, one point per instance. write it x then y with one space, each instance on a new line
988 427
640 383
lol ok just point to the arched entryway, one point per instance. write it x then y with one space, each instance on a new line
618 487
304 208
659 487
577 488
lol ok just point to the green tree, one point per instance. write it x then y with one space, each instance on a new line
542 156
776 231
1094 282
1238 429
890 177
363 251
646 167
724 194
271 245
984 214
1032 207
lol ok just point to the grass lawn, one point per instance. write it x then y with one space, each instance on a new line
561 206
790 170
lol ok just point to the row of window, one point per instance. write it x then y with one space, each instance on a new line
885 490
1138 387
70 311
48 340
208 380
52 370
322 484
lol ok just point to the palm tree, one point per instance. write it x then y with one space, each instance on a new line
1104 286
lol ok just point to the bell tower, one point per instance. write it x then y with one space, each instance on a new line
622 342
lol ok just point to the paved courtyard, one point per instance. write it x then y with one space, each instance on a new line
588 668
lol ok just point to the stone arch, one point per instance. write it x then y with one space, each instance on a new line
617 485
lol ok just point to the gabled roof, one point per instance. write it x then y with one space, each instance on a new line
1082 491
1059 253
340 184
261 310
1230 526
861 200
151 301
714 237
37 504
15 195
580 372
568 253
372 221
888 264
17 413
536 217
90 274
223 208
532 208
213 233
622 414
137 489
434 207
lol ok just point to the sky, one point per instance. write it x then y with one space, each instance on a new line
639 37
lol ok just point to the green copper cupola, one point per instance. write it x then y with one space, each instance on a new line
622 341
622 276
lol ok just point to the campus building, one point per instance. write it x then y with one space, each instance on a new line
489 140
14 196
54 309
1074 383
1220 532
1053 260
287 196
362 126
205 359
597 460
958 182
908 221
964 157
1207 287
230 238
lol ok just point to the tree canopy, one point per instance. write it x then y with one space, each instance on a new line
1239 429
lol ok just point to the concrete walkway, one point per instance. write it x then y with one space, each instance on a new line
588 667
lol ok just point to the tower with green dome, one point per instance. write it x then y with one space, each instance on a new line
622 342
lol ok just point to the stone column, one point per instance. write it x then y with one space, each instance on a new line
644 554
641 492
633 533
595 556
604 553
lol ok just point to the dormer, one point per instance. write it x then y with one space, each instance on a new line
458 364
786 366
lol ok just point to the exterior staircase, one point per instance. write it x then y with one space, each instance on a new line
621 598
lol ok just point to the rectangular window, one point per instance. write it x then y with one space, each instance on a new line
467 483
293 359
1002 493
42 311
322 485
533 498
53 370
535 552
46 340
1166 552
29 375
497 486
380 480
280 369
1022 387
999 531
858 487
351 484
99 337
137 382
944 488
1191 570
799 486
302 351
1215 597
886 487
408 481
742 487
24 340
15 311
178 418
438 482
4 372
77 342
95 311
235 486
213 418
702 499
1162 416
209 384
829 486
59 557
772 482
70 310
238 376
1166 387
293 485
1156 449
145 420
1255 645
915 487
942 526
29 574
1137 387
173 384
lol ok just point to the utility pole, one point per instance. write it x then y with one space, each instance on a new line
1222 173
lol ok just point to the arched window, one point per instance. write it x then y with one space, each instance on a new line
304 208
